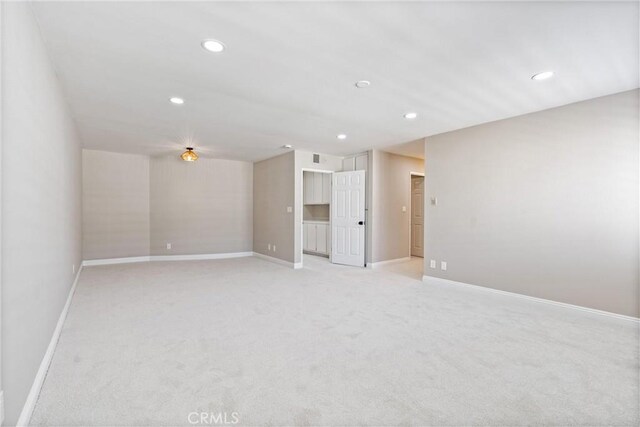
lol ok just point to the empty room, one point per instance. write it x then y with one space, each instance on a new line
341 213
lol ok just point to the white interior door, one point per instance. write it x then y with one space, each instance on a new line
417 216
347 218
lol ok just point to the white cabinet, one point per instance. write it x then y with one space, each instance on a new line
316 237
317 188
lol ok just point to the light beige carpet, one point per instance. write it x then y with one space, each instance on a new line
153 343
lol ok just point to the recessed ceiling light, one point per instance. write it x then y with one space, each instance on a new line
342 136
542 76
212 45
363 83
176 100
287 146
410 116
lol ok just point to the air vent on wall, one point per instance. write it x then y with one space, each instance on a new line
316 158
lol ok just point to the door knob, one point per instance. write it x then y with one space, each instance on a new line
360 222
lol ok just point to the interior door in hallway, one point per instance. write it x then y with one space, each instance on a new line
347 218
417 215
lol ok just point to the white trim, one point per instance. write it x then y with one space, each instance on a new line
440 280
90 262
200 256
389 261
32 398
195 257
278 260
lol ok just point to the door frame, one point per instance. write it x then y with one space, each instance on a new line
411 175
301 223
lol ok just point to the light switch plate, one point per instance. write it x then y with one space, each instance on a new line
443 265
434 201
269 247
404 209
274 248
433 263
168 245
289 209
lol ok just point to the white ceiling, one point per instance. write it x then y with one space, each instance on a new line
288 74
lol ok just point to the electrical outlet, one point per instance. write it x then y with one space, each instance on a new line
404 209
289 209
443 265
433 263
168 245
73 269
274 248
269 247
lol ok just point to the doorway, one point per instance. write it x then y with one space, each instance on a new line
417 216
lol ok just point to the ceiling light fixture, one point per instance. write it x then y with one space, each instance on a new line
542 76
176 100
212 45
189 155
342 136
287 146
363 83
410 116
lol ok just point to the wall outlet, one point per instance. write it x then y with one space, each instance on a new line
289 209
274 248
443 265
168 245
73 268
433 263
269 247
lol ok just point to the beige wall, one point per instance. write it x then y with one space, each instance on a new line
273 192
115 205
544 204
391 190
202 207
304 161
41 204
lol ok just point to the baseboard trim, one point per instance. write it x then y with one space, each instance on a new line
275 260
387 262
32 397
440 280
195 257
198 257
108 261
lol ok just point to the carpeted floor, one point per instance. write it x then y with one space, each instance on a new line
155 343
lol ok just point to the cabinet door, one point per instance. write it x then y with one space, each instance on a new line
321 238
305 237
361 162
312 238
317 187
348 164
308 187
326 188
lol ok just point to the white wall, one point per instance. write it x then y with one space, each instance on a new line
41 203
202 207
115 205
544 204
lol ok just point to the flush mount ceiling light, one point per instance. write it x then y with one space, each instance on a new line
176 100
542 76
410 116
287 146
189 155
363 83
212 45
342 136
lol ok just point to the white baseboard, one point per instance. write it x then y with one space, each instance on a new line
32 397
387 262
289 264
200 256
195 257
432 279
90 262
